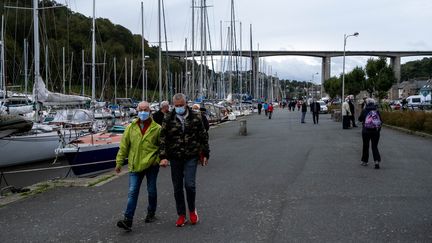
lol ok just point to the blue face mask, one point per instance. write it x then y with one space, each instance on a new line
180 110
143 115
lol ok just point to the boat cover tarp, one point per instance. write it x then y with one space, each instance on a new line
15 123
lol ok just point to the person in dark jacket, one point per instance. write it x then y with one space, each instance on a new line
352 110
158 116
259 108
315 109
183 144
303 110
202 111
370 135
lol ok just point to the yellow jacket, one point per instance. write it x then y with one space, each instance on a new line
142 151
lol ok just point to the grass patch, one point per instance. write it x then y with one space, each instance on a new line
39 189
104 178
419 121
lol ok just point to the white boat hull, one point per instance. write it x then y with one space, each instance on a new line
17 150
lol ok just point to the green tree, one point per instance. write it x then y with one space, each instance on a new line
354 81
333 87
417 69
380 77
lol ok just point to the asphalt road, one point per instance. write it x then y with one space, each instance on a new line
284 182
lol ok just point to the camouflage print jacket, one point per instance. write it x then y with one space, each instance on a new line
176 144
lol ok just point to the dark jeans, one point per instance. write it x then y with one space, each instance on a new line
184 171
315 117
270 114
303 117
135 180
373 136
352 119
345 122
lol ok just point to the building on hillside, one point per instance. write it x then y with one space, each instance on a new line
407 88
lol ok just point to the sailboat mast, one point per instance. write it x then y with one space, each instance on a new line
193 52
115 80
251 63
222 79
160 51
202 48
93 53
185 87
3 80
25 66
47 66
241 64
143 94
64 72
83 72
36 43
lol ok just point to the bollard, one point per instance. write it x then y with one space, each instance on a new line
243 128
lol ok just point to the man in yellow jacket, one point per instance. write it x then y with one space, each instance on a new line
140 145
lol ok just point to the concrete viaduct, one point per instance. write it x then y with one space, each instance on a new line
395 57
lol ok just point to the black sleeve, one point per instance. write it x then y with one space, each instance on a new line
362 116
205 122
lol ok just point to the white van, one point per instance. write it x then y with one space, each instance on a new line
415 100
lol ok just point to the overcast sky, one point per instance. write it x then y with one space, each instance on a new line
384 25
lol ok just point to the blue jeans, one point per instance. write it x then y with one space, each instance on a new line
135 180
184 171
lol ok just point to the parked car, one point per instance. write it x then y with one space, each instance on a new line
323 107
395 105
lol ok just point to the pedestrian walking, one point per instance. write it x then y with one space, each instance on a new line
371 129
303 110
270 110
346 113
266 108
158 116
140 145
315 109
259 108
201 110
183 144
352 110
299 104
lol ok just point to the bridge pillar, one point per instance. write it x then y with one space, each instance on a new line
396 65
325 68
255 73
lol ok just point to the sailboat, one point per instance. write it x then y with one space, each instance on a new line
96 152
41 141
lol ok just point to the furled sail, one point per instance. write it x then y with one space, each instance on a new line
41 94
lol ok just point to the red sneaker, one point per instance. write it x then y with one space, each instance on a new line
194 217
181 221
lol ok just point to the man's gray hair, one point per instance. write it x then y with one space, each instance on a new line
164 104
370 101
179 96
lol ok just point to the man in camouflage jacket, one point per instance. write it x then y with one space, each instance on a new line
183 143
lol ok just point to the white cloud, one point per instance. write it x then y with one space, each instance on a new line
393 25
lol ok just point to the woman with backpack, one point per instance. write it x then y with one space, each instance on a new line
371 120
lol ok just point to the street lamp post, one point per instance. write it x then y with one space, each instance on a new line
343 65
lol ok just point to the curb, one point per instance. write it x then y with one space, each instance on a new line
44 186
400 129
